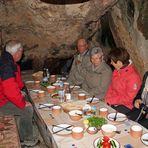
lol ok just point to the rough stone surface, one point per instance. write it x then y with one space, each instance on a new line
124 25
50 31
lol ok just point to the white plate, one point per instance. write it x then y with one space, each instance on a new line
63 132
95 100
35 90
49 106
145 136
120 117
96 141
74 87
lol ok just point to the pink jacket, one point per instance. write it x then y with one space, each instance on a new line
124 87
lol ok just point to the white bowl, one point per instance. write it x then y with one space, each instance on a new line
108 130
75 115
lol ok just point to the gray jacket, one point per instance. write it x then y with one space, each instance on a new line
79 65
97 79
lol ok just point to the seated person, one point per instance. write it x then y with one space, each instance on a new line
81 60
12 101
97 76
140 111
125 81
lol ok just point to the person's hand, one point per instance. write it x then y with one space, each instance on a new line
28 104
137 103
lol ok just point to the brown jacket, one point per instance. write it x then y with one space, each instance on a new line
79 65
97 80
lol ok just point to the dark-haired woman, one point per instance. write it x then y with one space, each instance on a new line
125 82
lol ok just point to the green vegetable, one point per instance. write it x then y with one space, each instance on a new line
113 144
96 121
45 84
99 145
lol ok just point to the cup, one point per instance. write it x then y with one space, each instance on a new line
56 110
61 94
136 131
81 96
41 93
67 96
77 132
51 89
103 112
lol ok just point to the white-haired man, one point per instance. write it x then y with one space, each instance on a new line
12 101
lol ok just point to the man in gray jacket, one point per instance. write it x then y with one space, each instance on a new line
81 61
97 76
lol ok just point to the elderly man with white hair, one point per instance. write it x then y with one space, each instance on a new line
97 76
12 101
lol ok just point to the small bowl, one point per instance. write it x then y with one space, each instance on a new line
108 130
136 131
56 110
103 112
77 132
41 93
92 130
75 115
51 89
81 96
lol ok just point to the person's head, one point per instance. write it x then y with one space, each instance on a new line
15 48
96 55
82 45
119 58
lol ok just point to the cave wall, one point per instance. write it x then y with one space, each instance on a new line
50 31
128 25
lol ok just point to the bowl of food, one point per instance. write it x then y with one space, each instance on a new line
92 130
75 115
108 130
96 121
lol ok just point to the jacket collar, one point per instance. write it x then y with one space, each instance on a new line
7 56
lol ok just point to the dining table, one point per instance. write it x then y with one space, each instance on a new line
46 120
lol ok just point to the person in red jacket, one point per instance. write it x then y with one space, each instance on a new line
125 83
12 101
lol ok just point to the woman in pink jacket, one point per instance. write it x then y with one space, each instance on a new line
125 82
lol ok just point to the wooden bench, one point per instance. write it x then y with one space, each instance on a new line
9 137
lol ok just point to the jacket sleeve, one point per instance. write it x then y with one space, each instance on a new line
10 86
13 93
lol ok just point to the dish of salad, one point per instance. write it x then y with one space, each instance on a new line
106 142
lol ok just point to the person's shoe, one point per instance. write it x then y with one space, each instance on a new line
30 143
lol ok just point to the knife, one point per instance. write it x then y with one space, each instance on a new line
62 129
145 139
92 99
45 106
115 117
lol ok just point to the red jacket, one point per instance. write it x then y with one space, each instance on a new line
10 82
124 86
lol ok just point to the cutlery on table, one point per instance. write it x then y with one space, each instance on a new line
115 117
145 140
71 89
62 129
92 99
44 106
78 114
51 116
118 132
